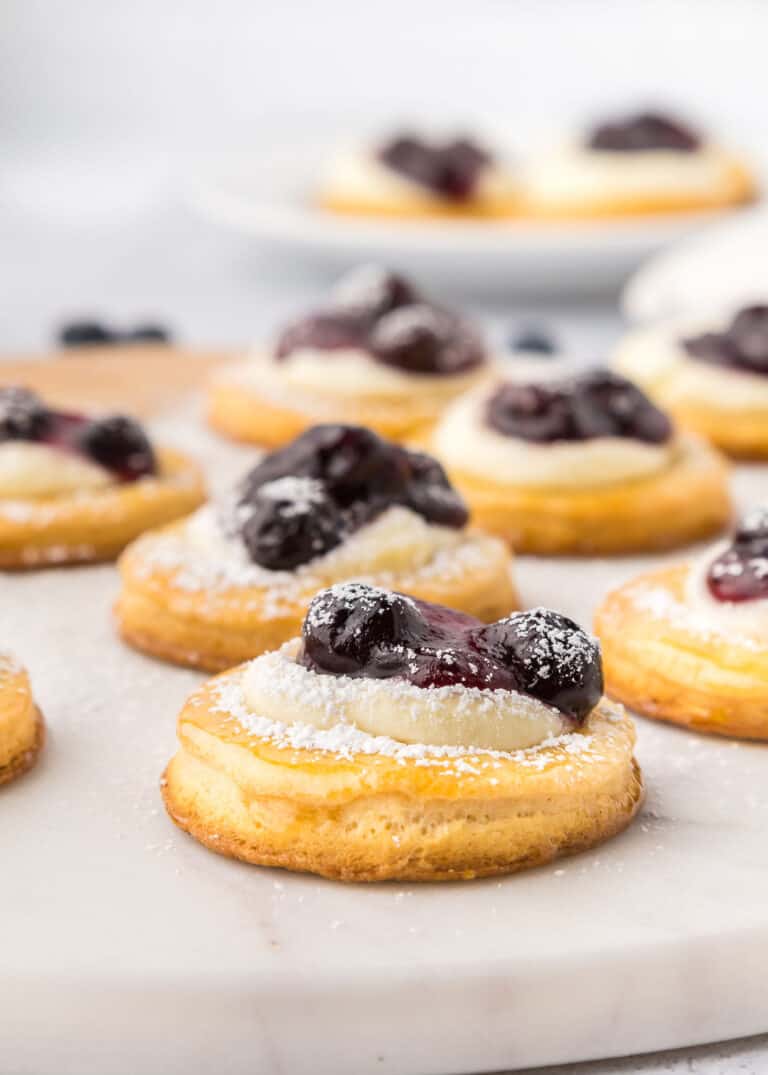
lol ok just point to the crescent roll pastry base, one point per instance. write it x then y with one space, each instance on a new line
22 730
374 817
237 410
424 208
97 525
686 501
660 662
741 434
216 629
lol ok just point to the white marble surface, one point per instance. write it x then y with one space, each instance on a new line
126 947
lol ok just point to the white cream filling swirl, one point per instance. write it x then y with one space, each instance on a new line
574 174
275 686
30 471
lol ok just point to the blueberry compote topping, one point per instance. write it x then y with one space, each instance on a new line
451 169
381 313
358 630
303 500
645 130
743 345
116 443
594 404
741 572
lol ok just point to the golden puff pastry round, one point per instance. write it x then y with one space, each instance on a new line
96 524
21 723
688 644
378 354
77 489
638 164
579 463
697 370
283 777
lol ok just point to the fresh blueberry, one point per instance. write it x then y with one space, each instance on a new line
86 334
534 340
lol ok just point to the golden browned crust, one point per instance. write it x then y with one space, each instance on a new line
738 188
215 630
375 818
22 731
238 411
741 434
659 668
97 525
687 501
423 209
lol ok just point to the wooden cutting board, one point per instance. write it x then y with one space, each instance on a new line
142 379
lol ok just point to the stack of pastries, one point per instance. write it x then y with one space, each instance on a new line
385 706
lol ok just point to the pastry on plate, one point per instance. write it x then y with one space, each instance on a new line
378 354
414 177
579 463
642 163
21 722
235 579
397 739
712 375
689 644
75 489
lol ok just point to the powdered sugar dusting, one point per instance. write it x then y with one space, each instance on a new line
658 602
346 741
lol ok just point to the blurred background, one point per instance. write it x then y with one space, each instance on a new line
111 112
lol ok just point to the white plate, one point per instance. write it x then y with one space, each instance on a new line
721 269
269 197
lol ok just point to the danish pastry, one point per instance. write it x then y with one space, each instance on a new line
402 740
235 579
711 376
21 722
379 355
409 176
579 463
642 163
76 490
690 644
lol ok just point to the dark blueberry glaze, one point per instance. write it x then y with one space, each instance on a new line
743 345
381 313
741 572
88 333
593 404
361 631
643 131
117 443
304 499
451 169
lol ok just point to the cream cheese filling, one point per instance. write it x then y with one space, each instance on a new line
276 687
464 442
30 471
656 359
575 174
